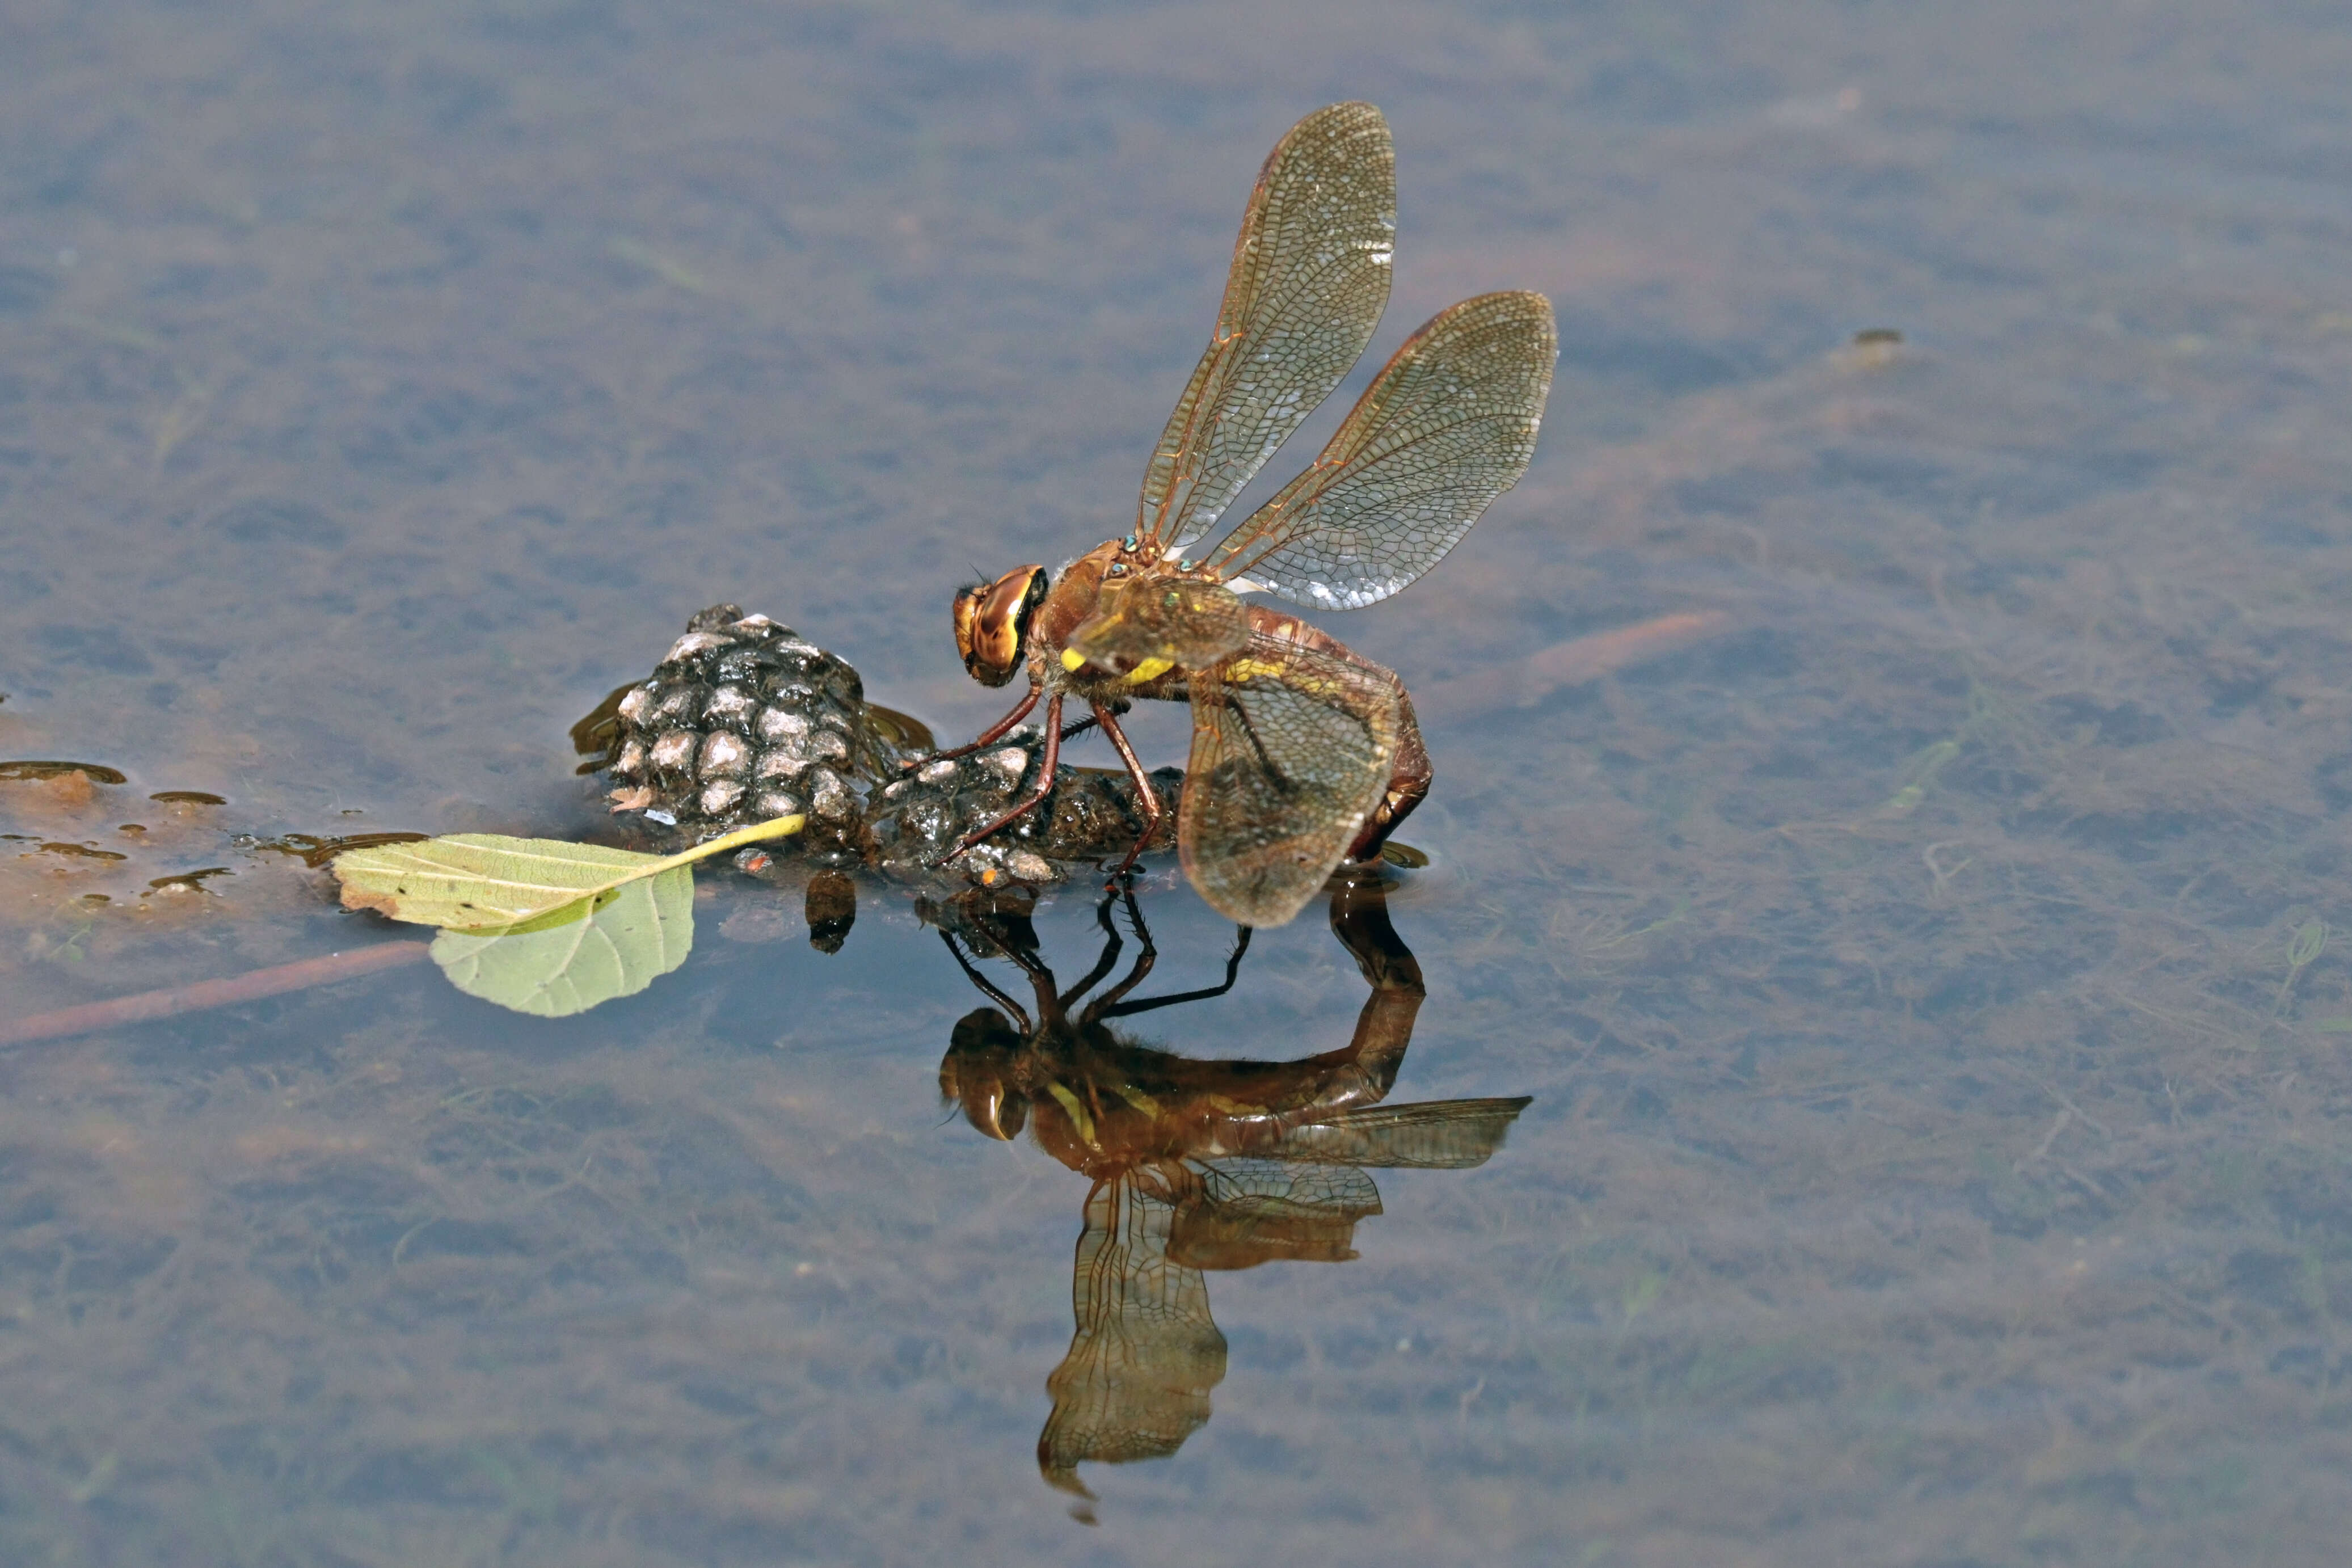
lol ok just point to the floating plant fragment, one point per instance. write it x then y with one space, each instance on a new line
632 936
537 925
489 884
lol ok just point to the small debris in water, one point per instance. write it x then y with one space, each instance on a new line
84 850
315 851
188 882
1875 348
94 772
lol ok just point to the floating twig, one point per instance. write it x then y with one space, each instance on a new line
247 987
1525 681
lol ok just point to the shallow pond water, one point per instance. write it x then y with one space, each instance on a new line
1933 977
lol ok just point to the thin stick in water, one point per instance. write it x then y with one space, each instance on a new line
247 987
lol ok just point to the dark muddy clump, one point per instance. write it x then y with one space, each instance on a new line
743 721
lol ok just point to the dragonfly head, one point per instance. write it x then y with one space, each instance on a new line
979 1063
991 623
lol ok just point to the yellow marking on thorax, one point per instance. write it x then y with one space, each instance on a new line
1137 1099
1080 1121
1150 670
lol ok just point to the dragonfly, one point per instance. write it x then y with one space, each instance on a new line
1304 752
1195 1166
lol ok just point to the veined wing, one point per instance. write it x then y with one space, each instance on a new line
1309 278
1272 1185
1157 620
1262 1211
1448 426
1146 1354
1291 749
1436 1135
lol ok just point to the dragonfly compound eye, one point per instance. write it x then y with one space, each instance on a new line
981 1055
991 623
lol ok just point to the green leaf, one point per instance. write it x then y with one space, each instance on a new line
487 882
615 945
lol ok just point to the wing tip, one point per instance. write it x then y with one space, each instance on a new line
1336 122
1358 111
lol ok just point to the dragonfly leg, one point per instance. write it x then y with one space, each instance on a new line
1102 965
1047 762
1143 790
1232 970
1109 1000
1117 705
988 737
977 978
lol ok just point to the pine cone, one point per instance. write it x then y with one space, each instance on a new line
741 722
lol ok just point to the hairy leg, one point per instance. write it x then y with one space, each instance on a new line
1143 790
1046 764
988 737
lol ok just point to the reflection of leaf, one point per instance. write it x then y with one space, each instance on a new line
557 967
487 882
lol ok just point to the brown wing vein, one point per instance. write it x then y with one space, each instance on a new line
1448 425
1445 1134
1308 281
1291 749
1146 1353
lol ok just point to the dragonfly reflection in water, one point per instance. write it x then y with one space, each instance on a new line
1196 1165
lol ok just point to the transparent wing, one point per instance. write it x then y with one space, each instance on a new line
1182 621
1146 1354
1448 426
1309 279
1437 1136
1273 1189
1262 1211
1292 747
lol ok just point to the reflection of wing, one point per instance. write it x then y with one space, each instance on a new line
1443 1134
1309 279
1291 749
1137 1379
1446 428
1261 1211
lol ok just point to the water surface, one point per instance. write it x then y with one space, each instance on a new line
1932 986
